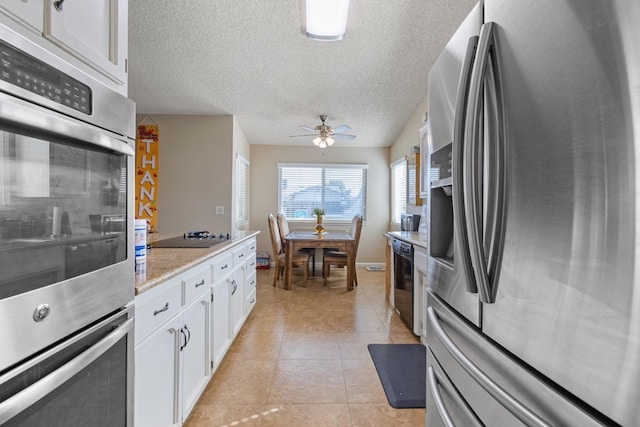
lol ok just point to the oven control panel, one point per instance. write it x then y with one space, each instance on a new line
26 72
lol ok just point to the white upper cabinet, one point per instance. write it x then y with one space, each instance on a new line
94 31
29 13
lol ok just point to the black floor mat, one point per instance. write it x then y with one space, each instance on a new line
402 371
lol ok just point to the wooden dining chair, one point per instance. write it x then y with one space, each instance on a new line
283 225
300 259
338 258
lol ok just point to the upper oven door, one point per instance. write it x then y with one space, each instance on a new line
63 264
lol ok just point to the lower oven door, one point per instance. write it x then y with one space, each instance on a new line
86 380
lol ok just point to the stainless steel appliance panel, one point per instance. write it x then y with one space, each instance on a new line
488 384
45 303
568 295
85 380
446 275
110 110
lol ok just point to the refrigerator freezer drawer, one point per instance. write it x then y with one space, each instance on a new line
499 389
445 405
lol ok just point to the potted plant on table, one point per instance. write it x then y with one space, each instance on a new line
319 213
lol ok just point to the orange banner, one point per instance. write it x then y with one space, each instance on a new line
147 149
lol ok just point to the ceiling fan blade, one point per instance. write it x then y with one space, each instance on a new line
312 134
308 128
341 128
343 136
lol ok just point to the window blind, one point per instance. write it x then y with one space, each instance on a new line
398 189
341 190
242 189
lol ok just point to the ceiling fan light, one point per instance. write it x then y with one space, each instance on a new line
316 141
323 144
330 141
326 20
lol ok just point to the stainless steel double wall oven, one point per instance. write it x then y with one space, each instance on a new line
66 272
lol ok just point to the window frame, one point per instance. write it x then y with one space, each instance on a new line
324 166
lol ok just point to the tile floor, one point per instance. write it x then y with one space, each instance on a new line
301 359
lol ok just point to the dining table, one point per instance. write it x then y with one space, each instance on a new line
337 240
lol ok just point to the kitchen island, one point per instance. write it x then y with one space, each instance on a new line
190 305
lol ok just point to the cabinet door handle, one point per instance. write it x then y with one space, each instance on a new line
188 335
200 283
165 308
240 256
58 5
235 287
223 267
184 334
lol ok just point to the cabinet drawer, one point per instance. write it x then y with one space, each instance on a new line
195 284
222 266
251 246
250 302
239 255
251 263
151 315
250 283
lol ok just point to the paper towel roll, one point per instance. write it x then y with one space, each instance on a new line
55 223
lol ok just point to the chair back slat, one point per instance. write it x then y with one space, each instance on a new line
274 230
283 226
356 230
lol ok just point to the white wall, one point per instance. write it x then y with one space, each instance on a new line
407 139
264 190
195 172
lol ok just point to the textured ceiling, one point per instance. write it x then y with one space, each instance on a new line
251 59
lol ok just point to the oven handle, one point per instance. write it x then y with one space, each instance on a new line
27 115
30 395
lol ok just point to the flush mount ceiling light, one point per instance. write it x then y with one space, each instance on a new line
327 19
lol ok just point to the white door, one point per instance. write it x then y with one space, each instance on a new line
220 328
195 352
156 390
94 31
28 13
237 298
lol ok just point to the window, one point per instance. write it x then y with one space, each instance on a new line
242 190
398 189
341 190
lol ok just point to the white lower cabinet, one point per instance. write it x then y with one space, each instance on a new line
156 383
184 327
172 363
419 292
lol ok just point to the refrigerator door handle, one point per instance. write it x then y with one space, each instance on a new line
459 125
472 163
496 173
503 397
434 381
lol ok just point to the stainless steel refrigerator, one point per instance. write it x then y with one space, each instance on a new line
533 312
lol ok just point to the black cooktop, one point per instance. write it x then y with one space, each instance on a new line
189 242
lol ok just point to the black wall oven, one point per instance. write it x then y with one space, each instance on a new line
66 160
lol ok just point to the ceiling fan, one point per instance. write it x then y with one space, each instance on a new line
325 135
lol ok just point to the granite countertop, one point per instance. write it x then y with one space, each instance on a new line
415 238
165 263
